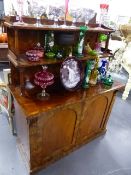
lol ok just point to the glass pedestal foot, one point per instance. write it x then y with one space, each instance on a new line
43 96
79 55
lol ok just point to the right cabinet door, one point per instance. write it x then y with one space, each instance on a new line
95 115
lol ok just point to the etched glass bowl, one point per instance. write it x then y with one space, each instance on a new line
43 79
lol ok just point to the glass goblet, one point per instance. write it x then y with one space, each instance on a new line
39 11
73 13
56 21
89 14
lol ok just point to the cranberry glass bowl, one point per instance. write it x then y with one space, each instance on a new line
43 79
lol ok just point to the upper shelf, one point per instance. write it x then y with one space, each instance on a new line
26 26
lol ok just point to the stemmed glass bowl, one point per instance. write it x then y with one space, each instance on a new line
43 79
89 14
73 13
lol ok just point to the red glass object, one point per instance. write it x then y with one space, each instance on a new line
35 54
31 53
104 7
33 58
43 79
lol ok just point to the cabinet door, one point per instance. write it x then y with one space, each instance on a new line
53 133
95 112
58 129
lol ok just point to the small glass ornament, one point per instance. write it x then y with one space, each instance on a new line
108 81
103 69
59 55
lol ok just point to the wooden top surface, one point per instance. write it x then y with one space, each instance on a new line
26 26
32 107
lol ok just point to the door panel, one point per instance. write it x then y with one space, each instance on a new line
58 131
93 115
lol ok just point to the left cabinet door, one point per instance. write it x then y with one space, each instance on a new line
58 131
54 132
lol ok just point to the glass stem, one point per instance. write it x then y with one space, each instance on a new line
43 94
38 20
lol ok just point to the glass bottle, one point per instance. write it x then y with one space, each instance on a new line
94 73
104 7
89 67
49 42
93 77
80 47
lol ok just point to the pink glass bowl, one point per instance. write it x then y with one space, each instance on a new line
34 53
33 58
43 84
44 76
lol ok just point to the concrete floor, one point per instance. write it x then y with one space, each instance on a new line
106 155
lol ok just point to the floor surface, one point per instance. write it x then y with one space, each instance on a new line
109 154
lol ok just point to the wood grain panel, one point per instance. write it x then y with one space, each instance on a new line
22 130
28 40
58 131
93 115
11 39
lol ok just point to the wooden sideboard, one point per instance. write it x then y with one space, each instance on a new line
49 130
